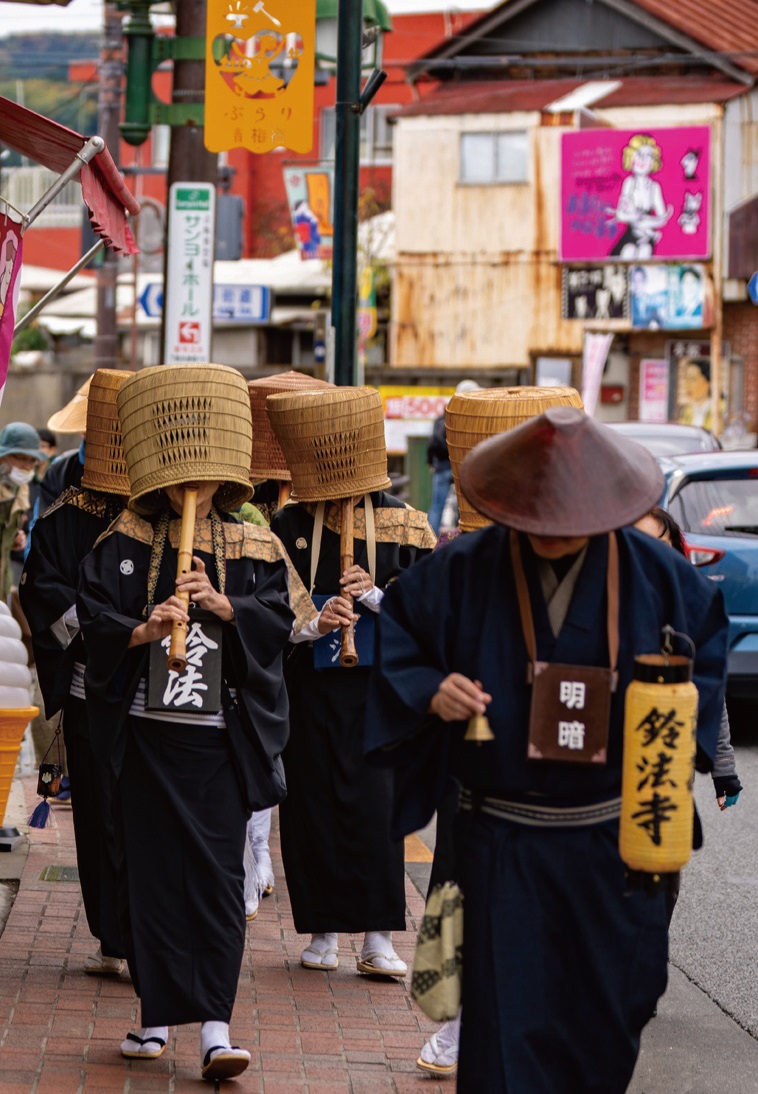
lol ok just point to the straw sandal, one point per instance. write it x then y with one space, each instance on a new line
224 1062
324 960
98 964
139 1043
437 1057
393 969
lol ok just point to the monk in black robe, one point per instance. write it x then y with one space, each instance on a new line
62 537
187 782
345 872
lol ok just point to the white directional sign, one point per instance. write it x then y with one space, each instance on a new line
189 278
151 300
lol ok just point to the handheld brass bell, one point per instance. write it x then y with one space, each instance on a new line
478 729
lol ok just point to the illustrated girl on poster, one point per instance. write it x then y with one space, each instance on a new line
641 206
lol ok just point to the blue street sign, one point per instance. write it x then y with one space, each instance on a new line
151 300
242 303
752 288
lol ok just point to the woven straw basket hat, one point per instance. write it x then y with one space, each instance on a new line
473 416
186 423
268 459
72 418
104 462
333 441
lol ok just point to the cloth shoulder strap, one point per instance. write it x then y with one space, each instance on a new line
318 531
525 604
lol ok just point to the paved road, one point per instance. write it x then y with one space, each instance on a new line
704 1037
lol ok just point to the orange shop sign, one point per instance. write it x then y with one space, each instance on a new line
259 69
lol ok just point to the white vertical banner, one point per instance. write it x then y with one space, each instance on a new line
594 356
188 295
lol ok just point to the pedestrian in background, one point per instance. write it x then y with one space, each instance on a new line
20 454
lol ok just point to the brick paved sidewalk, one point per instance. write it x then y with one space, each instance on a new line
308 1031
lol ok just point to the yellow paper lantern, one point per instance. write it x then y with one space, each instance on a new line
660 720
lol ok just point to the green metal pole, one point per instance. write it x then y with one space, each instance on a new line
139 34
346 159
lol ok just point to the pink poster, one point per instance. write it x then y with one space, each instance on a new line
635 194
10 269
654 391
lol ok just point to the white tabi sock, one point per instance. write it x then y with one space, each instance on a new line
214 1035
378 942
145 1033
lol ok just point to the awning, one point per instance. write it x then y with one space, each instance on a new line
55 147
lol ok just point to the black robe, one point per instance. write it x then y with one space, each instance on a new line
562 967
344 870
60 540
184 791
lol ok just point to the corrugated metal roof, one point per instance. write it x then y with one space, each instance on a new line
507 96
724 26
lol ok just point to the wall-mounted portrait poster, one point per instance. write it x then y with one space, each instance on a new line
687 297
648 297
635 194
595 292
694 405
669 297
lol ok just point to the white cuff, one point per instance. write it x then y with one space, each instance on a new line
66 628
307 633
373 598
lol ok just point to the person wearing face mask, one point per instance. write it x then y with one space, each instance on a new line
19 455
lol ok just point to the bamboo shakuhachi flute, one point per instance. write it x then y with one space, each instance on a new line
348 656
177 654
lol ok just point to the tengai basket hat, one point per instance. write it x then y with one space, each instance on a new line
268 459
72 418
104 461
186 423
474 415
561 474
333 441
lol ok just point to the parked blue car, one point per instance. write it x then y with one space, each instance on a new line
713 496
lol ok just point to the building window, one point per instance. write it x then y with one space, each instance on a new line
495 157
376 134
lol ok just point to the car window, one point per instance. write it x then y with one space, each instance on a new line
717 507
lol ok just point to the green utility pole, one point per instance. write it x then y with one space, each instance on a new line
350 104
346 163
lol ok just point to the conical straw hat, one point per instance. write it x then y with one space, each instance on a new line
104 462
473 416
268 459
562 474
72 418
186 423
333 441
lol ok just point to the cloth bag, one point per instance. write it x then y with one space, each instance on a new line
438 964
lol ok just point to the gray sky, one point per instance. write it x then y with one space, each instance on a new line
81 15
